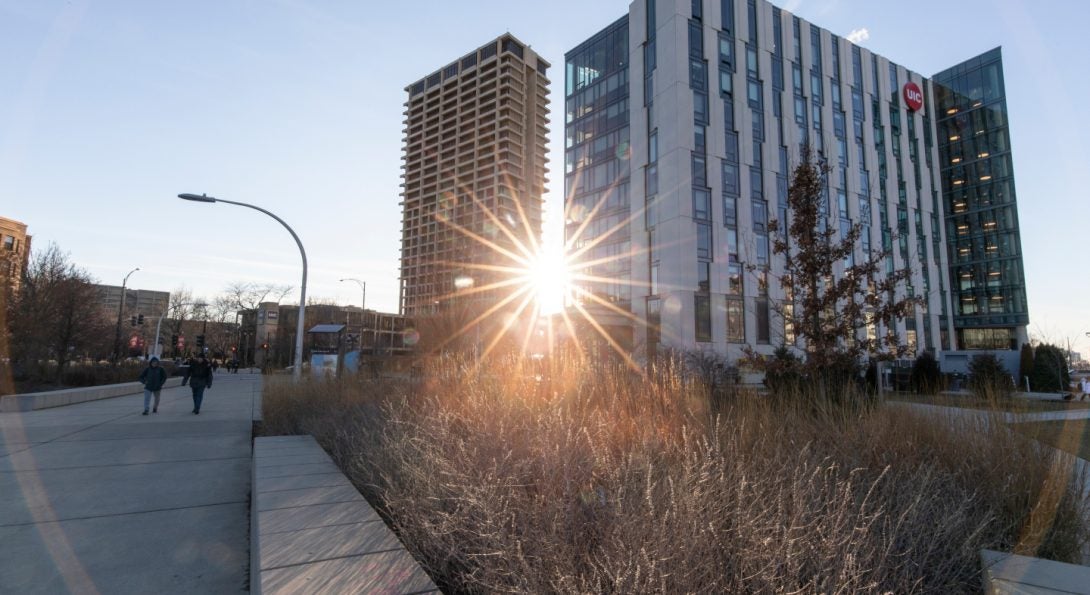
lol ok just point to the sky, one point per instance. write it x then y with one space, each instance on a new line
109 109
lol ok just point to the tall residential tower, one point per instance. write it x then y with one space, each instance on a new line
474 161
684 120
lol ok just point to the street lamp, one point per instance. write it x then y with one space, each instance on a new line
363 288
297 371
120 309
363 308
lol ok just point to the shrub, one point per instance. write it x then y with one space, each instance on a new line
1050 373
988 379
783 372
615 481
1025 363
926 376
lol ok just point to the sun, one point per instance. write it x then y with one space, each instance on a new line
550 275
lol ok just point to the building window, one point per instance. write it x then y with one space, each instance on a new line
763 335
701 204
727 11
704 241
703 318
736 324
700 170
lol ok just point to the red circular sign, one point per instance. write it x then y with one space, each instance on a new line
913 96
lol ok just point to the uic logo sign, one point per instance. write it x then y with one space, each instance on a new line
913 96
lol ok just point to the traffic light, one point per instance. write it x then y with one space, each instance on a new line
133 321
174 339
234 349
200 341
264 345
140 320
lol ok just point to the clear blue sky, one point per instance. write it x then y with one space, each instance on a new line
108 109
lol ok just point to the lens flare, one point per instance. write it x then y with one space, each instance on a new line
523 293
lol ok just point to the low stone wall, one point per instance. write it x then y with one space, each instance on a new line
1011 573
71 396
312 532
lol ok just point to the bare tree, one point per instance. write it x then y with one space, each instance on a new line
56 314
830 313
180 309
7 298
248 296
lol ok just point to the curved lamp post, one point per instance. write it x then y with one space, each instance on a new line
120 309
297 369
363 289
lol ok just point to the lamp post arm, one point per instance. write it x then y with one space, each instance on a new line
297 370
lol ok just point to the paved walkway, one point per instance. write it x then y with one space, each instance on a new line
96 498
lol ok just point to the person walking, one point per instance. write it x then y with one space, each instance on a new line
153 378
200 378
1085 386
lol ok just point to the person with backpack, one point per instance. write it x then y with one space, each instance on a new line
200 378
153 378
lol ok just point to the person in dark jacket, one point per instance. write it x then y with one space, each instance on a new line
200 378
153 378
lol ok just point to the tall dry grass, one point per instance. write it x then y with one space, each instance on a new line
600 480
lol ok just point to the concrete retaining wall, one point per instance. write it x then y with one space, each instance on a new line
71 396
1011 573
312 532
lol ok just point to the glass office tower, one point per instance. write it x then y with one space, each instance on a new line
683 165
596 174
990 310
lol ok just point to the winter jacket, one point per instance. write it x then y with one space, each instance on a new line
200 372
153 378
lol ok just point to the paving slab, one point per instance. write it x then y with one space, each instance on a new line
168 551
387 572
308 496
325 543
294 470
314 516
98 498
319 480
126 451
292 459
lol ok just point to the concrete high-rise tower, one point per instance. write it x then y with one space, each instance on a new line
474 174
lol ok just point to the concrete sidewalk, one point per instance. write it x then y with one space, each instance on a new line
97 498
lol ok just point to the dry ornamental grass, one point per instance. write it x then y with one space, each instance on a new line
600 480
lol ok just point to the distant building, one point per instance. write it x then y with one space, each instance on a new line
148 302
267 335
14 251
474 161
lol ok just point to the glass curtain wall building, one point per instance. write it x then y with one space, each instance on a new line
677 207
598 205
986 275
